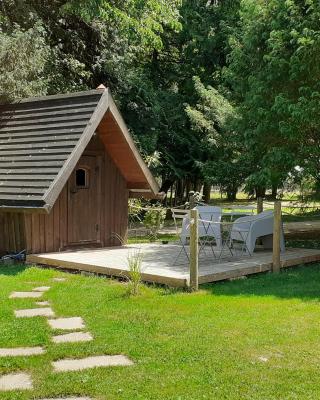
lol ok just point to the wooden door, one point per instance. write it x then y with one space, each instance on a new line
84 202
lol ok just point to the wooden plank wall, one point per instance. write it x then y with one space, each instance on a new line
48 232
12 232
2 246
115 213
115 195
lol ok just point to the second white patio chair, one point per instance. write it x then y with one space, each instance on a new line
209 224
248 229
209 228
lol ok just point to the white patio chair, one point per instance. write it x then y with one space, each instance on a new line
206 229
183 216
248 229
209 227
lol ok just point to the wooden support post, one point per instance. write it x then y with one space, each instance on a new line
276 262
194 250
259 205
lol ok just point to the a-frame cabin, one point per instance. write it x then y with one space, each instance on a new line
67 168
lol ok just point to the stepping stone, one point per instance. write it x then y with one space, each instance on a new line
34 312
67 323
59 279
25 295
70 398
91 362
21 351
73 337
18 381
42 303
41 289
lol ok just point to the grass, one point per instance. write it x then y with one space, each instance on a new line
254 339
146 239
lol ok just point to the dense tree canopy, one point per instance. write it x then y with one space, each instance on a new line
215 92
274 73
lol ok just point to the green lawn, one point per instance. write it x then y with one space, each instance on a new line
205 345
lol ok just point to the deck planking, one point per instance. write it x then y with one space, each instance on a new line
158 260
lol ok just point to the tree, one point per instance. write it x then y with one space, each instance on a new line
274 73
23 57
212 118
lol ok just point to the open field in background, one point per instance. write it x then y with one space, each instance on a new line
256 338
291 212
242 196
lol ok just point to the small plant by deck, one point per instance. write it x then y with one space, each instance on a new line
134 211
134 278
153 220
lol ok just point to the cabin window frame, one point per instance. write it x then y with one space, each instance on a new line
86 184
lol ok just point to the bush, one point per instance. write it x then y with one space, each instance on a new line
153 220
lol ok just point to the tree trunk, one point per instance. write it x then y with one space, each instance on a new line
166 184
274 191
206 191
188 189
260 191
316 187
231 195
179 192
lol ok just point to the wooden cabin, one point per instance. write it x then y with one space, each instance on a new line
67 168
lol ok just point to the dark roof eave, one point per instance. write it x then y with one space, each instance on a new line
24 206
146 194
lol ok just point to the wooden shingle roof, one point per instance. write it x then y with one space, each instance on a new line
42 139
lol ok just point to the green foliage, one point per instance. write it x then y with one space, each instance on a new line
274 72
223 92
23 57
134 208
211 113
141 22
153 220
213 118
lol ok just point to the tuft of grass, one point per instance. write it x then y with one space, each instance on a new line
135 263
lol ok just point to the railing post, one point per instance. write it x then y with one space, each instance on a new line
276 261
259 205
194 250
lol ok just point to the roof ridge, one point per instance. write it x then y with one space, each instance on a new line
56 96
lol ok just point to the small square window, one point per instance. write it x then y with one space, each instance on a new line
82 178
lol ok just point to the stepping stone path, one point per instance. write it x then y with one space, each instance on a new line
73 337
91 362
23 381
34 312
67 323
25 295
18 381
21 351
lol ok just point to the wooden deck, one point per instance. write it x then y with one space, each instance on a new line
158 263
